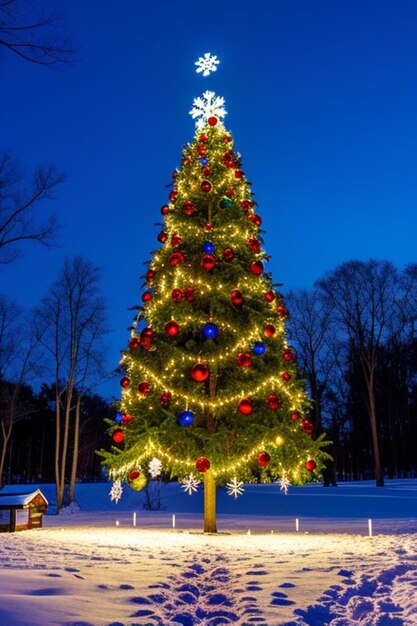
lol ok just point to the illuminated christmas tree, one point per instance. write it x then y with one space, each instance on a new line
211 390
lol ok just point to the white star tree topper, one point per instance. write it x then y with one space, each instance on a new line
207 64
205 106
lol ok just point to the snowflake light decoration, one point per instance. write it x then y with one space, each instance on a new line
116 491
235 488
207 64
155 468
283 483
205 106
190 484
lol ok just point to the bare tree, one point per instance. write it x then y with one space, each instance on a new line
18 361
19 204
363 297
71 323
34 34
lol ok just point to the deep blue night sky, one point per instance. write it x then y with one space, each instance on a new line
322 101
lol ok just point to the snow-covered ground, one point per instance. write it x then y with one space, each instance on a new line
83 569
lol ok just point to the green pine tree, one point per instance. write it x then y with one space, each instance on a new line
211 385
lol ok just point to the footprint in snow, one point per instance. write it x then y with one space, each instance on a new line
280 599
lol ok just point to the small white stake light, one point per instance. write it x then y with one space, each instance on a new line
370 527
249 533
134 518
297 524
173 521
117 523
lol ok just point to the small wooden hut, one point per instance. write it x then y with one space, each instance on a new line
22 511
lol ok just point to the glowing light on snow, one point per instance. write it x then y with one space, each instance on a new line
207 64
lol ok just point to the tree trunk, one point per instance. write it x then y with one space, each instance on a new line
59 495
379 473
209 503
75 450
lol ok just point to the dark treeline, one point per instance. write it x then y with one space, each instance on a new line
355 333
355 336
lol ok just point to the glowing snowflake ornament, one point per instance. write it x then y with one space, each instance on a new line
155 468
284 483
205 106
116 491
235 488
207 64
190 484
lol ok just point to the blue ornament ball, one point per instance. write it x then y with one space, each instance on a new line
118 418
208 247
259 348
203 161
225 202
186 418
210 331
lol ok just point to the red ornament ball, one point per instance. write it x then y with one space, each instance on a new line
118 436
175 240
238 173
311 465
165 209
206 186
237 297
200 372
246 205
177 295
147 296
202 464
269 330
134 343
203 138
144 388
208 227
146 343
288 355
174 174
165 399
162 237
189 294
201 151
269 296
208 262
256 267
228 159
273 402
228 254
229 193
150 275
244 359
226 139
256 219
207 171
147 333
254 244
186 161
212 121
126 419
172 328
295 415
172 196
133 475
124 382
307 427
282 311
188 207
176 258
286 376
264 459
245 406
